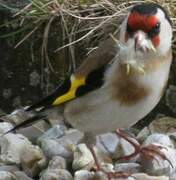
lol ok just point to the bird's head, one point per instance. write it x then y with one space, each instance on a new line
147 29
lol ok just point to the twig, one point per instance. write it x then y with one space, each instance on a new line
27 36
91 31
22 10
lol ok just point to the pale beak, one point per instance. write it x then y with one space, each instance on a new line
142 43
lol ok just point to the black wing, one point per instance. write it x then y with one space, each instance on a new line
93 81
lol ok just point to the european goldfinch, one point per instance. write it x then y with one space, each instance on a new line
119 83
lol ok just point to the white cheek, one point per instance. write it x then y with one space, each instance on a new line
165 39
165 34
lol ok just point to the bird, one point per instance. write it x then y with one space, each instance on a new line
121 81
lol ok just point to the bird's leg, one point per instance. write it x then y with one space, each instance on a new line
149 151
135 144
98 167
90 140
110 175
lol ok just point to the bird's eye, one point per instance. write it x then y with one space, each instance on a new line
154 31
157 26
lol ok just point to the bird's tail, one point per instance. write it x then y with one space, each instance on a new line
27 122
48 101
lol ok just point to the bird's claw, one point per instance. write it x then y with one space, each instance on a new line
110 175
151 151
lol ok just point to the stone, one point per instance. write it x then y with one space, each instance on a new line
12 146
21 175
87 175
17 149
107 167
172 176
143 134
56 170
33 160
52 147
103 157
143 176
57 162
55 132
56 174
62 146
162 125
4 175
34 131
82 158
127 167
5 126
104 143
99 176
161 139
10 168
83 175
34 78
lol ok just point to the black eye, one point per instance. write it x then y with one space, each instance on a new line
154 31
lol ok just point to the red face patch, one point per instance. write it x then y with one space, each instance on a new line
137 21
145 23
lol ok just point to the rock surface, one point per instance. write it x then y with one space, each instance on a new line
12 146
4 175
62 154
5 126
21 176
61 145
142 176
60 174
57 162
127 167
33 160
82 158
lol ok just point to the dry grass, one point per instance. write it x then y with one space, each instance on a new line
81 21
85 16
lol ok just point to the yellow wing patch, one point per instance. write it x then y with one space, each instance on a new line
71 94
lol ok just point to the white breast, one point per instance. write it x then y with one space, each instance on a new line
97 112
